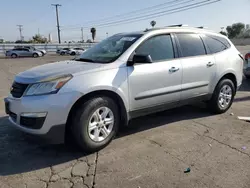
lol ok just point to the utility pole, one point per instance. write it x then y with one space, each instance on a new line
57 20
20 28
38 31
82 33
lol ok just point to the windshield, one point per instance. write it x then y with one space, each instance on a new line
109 49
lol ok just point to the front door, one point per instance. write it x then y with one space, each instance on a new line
157 83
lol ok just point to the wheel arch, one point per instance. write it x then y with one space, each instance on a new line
113 95
231 76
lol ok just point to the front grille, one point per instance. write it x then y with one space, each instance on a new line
32 122
18 89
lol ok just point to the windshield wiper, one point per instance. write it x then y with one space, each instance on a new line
84 59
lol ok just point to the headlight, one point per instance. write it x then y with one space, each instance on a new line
50 86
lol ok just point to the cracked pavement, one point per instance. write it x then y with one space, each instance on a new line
152 152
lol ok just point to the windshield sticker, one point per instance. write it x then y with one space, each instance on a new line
127 38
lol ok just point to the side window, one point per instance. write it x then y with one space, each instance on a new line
216 44
191 45
159 48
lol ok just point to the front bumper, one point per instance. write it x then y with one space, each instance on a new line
42 113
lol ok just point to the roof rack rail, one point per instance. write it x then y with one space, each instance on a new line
178 25
202 27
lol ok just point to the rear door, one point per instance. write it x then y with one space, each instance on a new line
21 52
199 68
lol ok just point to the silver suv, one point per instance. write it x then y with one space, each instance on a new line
125 76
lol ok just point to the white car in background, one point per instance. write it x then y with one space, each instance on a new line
63 51
75 51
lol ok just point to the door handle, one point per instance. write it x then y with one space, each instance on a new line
173 69
210 64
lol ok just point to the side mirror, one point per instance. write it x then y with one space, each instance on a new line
139 58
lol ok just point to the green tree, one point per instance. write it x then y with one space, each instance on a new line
93 32
39 39
153 23
235 30
223 33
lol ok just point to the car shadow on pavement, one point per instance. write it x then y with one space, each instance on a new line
20 152
164 118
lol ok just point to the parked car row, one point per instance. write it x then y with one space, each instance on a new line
25 51
70 51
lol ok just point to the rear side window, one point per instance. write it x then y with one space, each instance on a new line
191 45
160 48
216 44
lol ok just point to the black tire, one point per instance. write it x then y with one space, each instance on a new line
35 55
13 55
81 122
62 53
42 53
213 104
247 76
73 53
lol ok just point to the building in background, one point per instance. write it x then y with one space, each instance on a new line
50 38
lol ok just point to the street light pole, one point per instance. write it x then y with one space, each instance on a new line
82 33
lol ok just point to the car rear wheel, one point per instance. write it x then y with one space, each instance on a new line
73 53
14 55
96 123
35 55
223 96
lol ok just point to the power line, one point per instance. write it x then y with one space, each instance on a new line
134 12
20 28
157 14
57 21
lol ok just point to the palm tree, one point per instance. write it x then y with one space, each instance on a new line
153 23
93 31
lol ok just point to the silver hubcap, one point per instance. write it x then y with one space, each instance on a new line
225 96
101 124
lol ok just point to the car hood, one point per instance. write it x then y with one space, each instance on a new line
61 68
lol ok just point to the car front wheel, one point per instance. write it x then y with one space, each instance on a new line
223 96
96 123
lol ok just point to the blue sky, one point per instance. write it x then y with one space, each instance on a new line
34 14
